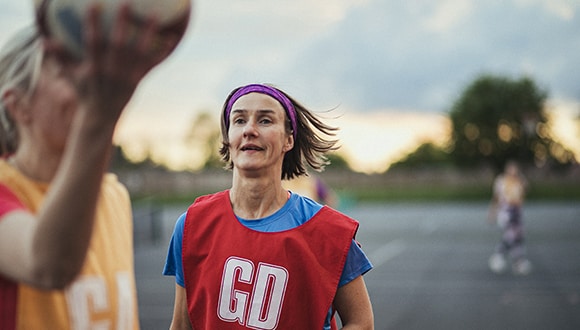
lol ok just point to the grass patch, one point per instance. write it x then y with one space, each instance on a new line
422 193
417 193
167 198
442 193
550 191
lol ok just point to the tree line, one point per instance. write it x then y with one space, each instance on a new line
495 119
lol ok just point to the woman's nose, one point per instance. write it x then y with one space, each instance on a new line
250 128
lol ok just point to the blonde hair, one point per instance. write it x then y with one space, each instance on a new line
20 64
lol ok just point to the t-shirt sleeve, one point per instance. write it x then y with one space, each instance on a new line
173 263
8 201
357 264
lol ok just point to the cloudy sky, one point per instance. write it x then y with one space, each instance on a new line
368 58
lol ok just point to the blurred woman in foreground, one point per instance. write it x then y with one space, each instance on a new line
66 248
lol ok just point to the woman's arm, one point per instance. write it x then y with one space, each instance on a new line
47 249
353 305
180 319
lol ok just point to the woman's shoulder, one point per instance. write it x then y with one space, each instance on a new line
210 198
209 203
304 204
113 187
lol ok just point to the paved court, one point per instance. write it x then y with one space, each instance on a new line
430 267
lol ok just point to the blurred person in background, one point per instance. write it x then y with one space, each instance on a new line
66 247
509 189
257 255
313 187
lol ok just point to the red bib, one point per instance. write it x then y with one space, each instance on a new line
241 278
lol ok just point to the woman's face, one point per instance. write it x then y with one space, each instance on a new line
512 169
51 107
257 133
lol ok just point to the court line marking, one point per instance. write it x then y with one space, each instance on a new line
387 252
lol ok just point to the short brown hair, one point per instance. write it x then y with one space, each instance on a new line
314 139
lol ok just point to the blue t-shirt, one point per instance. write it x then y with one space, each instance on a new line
295 212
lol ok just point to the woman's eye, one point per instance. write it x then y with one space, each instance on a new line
239 121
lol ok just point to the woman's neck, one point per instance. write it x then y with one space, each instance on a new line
256 198
35 166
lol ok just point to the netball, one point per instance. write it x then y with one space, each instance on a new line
63 19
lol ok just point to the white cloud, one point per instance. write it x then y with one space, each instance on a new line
416 55
564 9
448 14
364 54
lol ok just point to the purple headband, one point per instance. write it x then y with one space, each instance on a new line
263 89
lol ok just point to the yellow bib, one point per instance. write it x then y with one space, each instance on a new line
104 295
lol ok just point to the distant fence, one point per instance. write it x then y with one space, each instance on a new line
148 225
160 183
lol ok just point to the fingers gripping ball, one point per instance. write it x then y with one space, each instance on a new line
63 20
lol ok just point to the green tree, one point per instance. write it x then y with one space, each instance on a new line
337 161
204 137
498 118
426 155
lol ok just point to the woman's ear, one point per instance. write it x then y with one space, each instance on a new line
15 104
289 143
